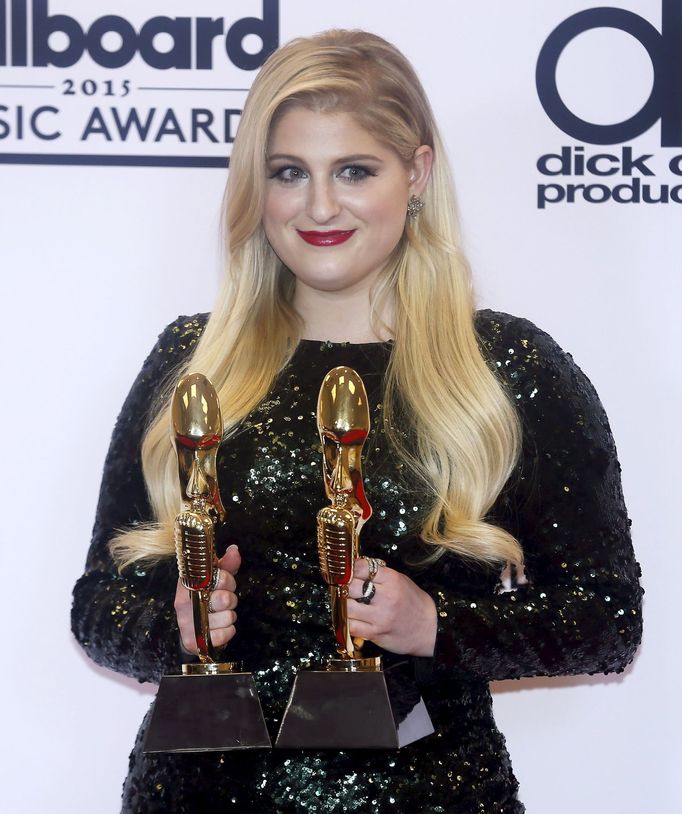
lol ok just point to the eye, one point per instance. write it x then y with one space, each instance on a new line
354 173
288 174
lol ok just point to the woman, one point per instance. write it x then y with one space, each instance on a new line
489 449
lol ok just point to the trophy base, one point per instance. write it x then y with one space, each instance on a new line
347 706
210 708
369 665
211 669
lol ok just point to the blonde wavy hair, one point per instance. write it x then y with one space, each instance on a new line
463 429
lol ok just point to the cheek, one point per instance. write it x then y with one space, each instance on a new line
386 214
277 210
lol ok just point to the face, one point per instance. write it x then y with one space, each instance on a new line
335 201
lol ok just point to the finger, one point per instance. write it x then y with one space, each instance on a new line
385 585
222 600
226 582
361 570
187 637
231 560
363 613
362 630
186 625
224 618
183 600
180 595
355 588
219 638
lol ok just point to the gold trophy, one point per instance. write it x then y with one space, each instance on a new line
345 705
343 424
213 705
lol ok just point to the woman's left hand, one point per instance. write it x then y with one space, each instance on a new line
401 617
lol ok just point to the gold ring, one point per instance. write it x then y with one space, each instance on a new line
373 564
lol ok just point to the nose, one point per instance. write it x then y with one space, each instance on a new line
323 204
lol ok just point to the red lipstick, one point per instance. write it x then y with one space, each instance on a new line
332 237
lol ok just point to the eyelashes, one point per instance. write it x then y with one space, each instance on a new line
355 172
351 173
287 175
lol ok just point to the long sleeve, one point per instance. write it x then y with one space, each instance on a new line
126 622
580 611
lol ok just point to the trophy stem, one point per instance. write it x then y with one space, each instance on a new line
347 646
206 651
338 597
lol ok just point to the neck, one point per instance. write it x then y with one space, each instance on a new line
340 316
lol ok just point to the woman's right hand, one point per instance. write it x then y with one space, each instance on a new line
222 616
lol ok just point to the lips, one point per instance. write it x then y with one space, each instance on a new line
331 237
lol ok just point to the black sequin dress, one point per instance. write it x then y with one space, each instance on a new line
579 612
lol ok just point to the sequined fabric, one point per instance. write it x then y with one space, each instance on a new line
578 613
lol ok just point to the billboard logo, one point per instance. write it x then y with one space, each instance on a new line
188 37
148 91
664 48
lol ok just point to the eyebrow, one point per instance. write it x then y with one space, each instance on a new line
343 160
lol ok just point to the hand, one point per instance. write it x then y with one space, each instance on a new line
223 616
401 617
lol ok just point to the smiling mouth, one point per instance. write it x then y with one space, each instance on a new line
331 237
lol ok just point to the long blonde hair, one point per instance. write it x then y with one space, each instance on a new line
464 431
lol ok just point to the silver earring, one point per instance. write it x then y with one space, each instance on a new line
414 206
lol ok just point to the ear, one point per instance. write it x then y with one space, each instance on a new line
420 169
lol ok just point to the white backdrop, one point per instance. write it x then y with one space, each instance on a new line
95 260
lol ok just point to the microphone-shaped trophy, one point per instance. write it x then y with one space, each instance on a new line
344 705
213 705
343 424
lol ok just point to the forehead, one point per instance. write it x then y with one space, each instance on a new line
301 131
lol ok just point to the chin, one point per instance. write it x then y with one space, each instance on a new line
331 285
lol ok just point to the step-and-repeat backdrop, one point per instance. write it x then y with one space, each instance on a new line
563 123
